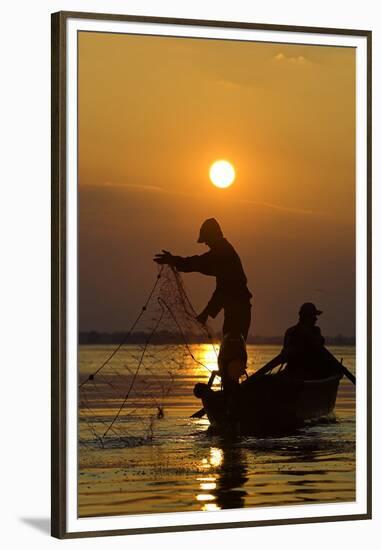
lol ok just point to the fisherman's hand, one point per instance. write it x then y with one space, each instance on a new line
164 257
202 318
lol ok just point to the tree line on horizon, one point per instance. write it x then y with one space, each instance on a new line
94 337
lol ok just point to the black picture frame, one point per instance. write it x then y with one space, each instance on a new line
59 258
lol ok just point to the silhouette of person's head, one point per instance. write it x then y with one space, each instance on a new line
210 232
308 313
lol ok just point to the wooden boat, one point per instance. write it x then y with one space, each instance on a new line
270 404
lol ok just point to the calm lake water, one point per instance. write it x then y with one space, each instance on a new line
151 465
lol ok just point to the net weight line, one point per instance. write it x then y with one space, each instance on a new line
135 374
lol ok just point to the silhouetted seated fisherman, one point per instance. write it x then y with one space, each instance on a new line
304 348
222 261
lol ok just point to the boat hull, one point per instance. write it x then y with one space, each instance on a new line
270 404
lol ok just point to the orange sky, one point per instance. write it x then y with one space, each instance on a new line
155 112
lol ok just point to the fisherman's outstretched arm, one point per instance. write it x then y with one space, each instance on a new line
201 264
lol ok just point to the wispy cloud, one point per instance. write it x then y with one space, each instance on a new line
157 189
136 186
293 60
230 84
279 207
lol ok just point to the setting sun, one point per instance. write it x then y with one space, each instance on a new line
222 173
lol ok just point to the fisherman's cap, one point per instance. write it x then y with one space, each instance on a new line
309 309
210 228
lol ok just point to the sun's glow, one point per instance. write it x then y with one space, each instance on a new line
222 173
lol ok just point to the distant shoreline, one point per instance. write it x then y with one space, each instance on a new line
94 337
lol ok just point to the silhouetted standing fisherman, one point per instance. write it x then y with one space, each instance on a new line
221 261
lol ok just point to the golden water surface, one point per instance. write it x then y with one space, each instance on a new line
172 464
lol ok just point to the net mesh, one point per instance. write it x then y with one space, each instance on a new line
123 392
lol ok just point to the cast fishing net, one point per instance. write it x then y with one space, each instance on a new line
127 387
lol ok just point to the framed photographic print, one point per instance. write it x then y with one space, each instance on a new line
211 297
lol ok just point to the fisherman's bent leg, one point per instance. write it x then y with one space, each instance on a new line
231 389
237 320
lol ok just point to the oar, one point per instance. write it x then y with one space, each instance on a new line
282 358
340 365
199 414
348 374
275 362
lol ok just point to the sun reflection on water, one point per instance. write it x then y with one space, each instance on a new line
216 456
207 355
204 497
209 483
208 486
210 507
